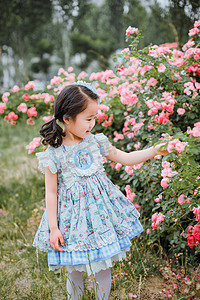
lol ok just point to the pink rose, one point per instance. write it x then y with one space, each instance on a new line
30 85
131 30
196 211
166 165
191 241
25 97
164 182
196 232
180 111
196 23
12 116
161 68
22 107
15 88
2 107
193 31
32 112
118 166
181 199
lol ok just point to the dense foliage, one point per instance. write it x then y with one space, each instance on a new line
152 96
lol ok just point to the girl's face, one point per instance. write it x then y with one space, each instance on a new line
79 128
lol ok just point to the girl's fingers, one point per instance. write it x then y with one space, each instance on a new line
55 246
61 240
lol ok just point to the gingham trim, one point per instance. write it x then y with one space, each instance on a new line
56 258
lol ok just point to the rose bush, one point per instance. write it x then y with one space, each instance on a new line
153 95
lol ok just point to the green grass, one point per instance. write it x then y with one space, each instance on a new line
23 271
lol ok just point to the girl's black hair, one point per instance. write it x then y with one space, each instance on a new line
71 101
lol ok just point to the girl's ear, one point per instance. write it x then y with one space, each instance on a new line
66 120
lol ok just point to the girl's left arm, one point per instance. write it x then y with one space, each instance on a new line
135 157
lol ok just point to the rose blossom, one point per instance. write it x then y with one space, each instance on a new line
196 212
131 30
32 112
191 241
161 68
196 232
15 88
22 107
180 111
193 31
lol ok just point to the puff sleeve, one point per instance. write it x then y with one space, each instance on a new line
104 143
47 159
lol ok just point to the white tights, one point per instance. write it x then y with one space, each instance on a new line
102 285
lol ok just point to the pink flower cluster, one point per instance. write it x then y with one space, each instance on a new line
177 145
157 199
131 30
30 85
157 219
35 143
11 118
182 199
195 131
129 194
32 112
167 172
22 107
196 212
193 236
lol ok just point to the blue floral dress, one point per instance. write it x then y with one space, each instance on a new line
96 220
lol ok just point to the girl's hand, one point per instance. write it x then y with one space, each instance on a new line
55 237
163 151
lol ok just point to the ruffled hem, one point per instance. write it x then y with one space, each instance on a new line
95 266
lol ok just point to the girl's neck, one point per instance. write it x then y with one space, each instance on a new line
71 139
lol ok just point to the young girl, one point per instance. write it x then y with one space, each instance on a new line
88 222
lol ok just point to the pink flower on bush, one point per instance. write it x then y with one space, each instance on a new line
178 145
103 107
35 143
118 166
25 97
118 136
5 97
131 30
157 219
157 199
30 121
152 82
82 75
181 199
195 131
191 240
129 194
30 85
32 112
2 107
164 182
15 88
196 232
193 31
128 97
196 212
161 68
180 111
22 107
47 118
12 116
56 80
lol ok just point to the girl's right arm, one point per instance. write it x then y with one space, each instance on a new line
51 206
